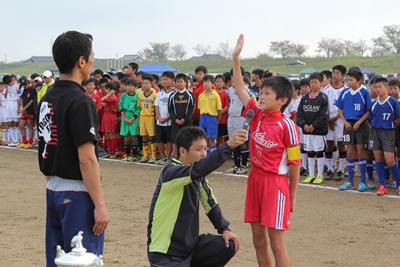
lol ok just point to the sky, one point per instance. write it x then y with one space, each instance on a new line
126 27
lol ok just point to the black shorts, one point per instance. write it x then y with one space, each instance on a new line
397 138
222 130
175 130
382 139
163 133
356 138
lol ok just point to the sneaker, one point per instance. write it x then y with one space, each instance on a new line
392 183
241 170
371 184
106 156
28 146
318 180
325 168
120 154
152 160
102 152
21 145
132 159
4 143
248 165
303 171
362 187
144 159
113 156
329 175
232 170
309 179
160 162
13 144
382 191
347 186
339 176
126 159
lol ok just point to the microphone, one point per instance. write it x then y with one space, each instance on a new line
246 123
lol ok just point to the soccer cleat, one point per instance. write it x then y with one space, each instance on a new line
21 145
106 156
382 191
13 144
132 159
241 170
371 184
126 159
318 180
347 186
309 179
339 176
27 146
248 165
113 156
303 171
4 143
362 187
232 170
102 152
152 160
144 159
392 183
160 162
329 175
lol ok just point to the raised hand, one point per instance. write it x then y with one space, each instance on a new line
239 46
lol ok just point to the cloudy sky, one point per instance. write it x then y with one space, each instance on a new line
125 27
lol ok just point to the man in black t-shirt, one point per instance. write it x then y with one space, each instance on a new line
27 113
67 129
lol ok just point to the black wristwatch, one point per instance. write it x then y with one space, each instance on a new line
220 231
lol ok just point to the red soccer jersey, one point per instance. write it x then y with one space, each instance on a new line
111 104
197 91
225 103
271 133
96 100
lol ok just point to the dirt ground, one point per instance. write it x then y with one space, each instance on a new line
328 228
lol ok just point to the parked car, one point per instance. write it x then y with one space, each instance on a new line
392 76
296 62
398 76
292 77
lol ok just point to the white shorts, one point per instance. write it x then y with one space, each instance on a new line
3 114
12 111
314 142
337 134
301 135
234 123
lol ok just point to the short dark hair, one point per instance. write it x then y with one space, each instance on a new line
201 68
7 79
132 82
134 66
258 72
187 135
90 80
120 75
356 73
340 68
147 77
33 76
123 80
220 76
69 47
155 77
141 73
111 86
281 86
267 74
296 84
246 80
168 74
209 78
228 76
103 80
394 82
316 75
327 73
98 71
304 81
372 81
117 85
382 80
181 76
242 71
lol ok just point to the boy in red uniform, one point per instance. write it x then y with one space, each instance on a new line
274 146
109 121
198 89
90 86
223 94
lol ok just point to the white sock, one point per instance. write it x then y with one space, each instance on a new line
18 134
321 166
8 135
304 158
34 133
342 162
12 134
4 135
311 166
329 163
334 157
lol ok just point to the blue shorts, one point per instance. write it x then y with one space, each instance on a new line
210 125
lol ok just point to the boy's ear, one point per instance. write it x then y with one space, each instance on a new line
182 151
283 100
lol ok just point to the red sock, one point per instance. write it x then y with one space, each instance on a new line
113 146
108 143
30 141
24 140
121 144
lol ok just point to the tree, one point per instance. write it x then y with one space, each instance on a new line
202 49
360 47
156 51
389 40
299 49
330 47
224 50
283 48
178 52
380 47
348 47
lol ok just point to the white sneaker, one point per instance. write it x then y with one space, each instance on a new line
242 170
13 144
160 162
232 170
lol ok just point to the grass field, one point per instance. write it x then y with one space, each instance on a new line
387 64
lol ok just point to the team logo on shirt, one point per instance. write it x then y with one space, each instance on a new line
259 138
92 131
47 131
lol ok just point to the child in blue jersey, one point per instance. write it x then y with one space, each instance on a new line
354 104
384 118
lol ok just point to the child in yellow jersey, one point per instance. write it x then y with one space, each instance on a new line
210 107
147 122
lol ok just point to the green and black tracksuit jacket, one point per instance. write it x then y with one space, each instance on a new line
174 212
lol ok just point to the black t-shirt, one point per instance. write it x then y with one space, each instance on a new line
66 119
28 95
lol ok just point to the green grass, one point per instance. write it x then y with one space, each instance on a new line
387 64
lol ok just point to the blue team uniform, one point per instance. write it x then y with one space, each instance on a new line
384 115
354 103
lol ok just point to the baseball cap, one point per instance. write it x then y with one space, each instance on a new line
38 79
47 74
107 75
23 81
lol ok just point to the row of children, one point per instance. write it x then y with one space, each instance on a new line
358 123
18 104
